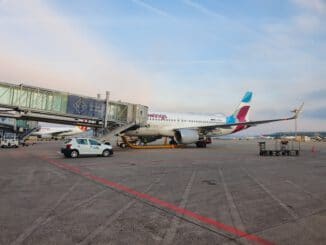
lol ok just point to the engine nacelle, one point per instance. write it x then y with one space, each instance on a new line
186 136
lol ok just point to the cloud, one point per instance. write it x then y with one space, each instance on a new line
307 23
203 9
234 25
318 6
319 113
316 95
42 47
152 8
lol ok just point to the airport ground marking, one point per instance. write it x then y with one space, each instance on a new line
233 210
116 214
161 203
42 219
275 198
311 195
171 232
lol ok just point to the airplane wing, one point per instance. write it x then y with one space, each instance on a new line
52 133
253 123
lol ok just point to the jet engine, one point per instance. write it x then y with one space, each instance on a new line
186 136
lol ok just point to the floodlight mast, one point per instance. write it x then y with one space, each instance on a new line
296 111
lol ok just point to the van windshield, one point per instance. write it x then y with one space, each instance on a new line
9 136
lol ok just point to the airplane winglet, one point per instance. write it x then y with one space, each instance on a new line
297 111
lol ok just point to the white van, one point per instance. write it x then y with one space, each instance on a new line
86 146
9 140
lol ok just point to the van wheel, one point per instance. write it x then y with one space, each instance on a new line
74 154
106 153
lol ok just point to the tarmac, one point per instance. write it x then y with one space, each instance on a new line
223 194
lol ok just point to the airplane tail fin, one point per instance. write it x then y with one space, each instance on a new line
241 114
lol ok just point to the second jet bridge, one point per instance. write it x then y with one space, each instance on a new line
47 105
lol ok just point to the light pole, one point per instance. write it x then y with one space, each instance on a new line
296 111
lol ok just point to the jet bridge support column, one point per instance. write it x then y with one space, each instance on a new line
106 114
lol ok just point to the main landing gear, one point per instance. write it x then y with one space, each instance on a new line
201 144
172 141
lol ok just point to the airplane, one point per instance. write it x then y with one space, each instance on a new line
318 138
188 128
288 137
267 137
57 132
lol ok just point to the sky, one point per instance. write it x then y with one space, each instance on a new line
178 56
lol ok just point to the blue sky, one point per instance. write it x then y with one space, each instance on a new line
183 55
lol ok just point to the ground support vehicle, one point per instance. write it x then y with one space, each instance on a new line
86 146
9 140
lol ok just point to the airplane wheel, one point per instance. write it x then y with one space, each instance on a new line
172 142
201 144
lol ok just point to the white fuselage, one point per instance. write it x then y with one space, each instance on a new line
165 124
58 131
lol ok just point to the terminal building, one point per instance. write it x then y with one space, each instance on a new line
301 135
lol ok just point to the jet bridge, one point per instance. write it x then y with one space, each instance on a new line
47 105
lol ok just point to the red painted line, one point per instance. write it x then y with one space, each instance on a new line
161 203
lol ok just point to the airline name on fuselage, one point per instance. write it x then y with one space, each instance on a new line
158 116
